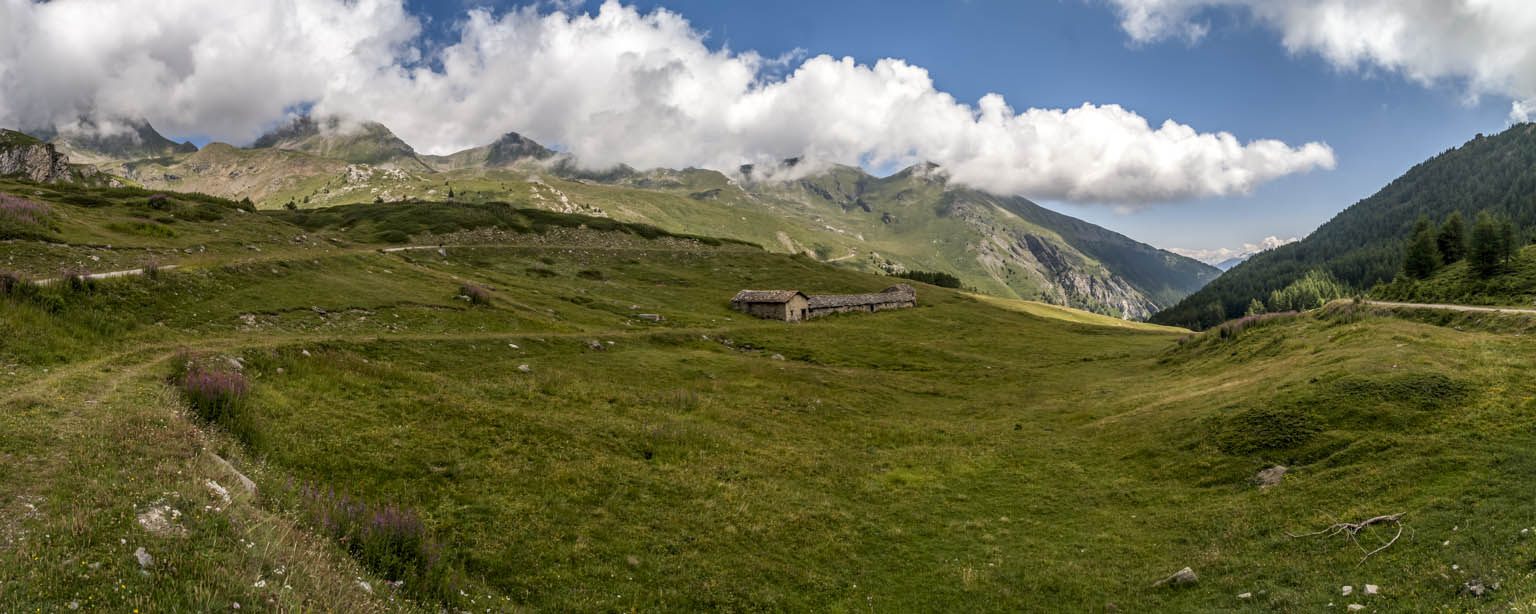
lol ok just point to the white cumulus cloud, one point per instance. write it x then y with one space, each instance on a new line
1482 46
617 85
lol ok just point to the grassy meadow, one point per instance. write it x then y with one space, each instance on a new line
544 448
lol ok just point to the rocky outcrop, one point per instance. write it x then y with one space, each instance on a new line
40 162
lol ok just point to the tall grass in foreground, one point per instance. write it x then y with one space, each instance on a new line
218 393
476 294
386 538
22 218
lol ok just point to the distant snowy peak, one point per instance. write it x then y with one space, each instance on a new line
1225 258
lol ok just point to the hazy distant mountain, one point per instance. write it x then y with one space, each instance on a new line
1226 265
507 151
1226 257
85 145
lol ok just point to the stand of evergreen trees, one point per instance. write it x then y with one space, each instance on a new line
942 280
1493 244
1363 245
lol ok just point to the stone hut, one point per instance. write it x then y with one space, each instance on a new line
793 306
786 305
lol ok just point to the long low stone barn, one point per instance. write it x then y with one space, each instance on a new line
796 306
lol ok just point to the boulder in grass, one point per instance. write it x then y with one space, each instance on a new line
1182 577
1271 476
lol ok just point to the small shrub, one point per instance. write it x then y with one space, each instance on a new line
1232 329
158 201
386 538
77 280
11 284
21 218
477 295
1265 429
942 280
592 274
391 236
216 395
542 272
142 228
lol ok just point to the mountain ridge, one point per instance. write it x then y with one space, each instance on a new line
913 219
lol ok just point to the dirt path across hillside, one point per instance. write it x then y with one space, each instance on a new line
1450 307
107 275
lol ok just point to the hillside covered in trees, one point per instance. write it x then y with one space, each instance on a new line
1364 245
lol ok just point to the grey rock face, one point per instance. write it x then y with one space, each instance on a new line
40 162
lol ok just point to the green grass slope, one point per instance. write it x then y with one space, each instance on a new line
1362 245
565 454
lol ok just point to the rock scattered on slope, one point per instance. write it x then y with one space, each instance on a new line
245 482
596 346
1182 577
1271 476
158 520
144 558
220 492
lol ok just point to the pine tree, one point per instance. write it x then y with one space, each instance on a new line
1453 238
1423 255
1486 249
1507 241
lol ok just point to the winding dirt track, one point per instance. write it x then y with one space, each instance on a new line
1450 307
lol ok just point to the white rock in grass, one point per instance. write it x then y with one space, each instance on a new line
218 491
1355 607
525 368
1372 589
145 560
1179 578
158 519
1347 590
1245 596
366 588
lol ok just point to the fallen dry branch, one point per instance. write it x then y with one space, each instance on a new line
1351 529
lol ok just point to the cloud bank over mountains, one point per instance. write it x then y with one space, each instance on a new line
1483 46
1223 254
613 86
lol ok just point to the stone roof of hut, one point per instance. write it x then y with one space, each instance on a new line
765 296
899 293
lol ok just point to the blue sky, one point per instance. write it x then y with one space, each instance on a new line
1060 54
